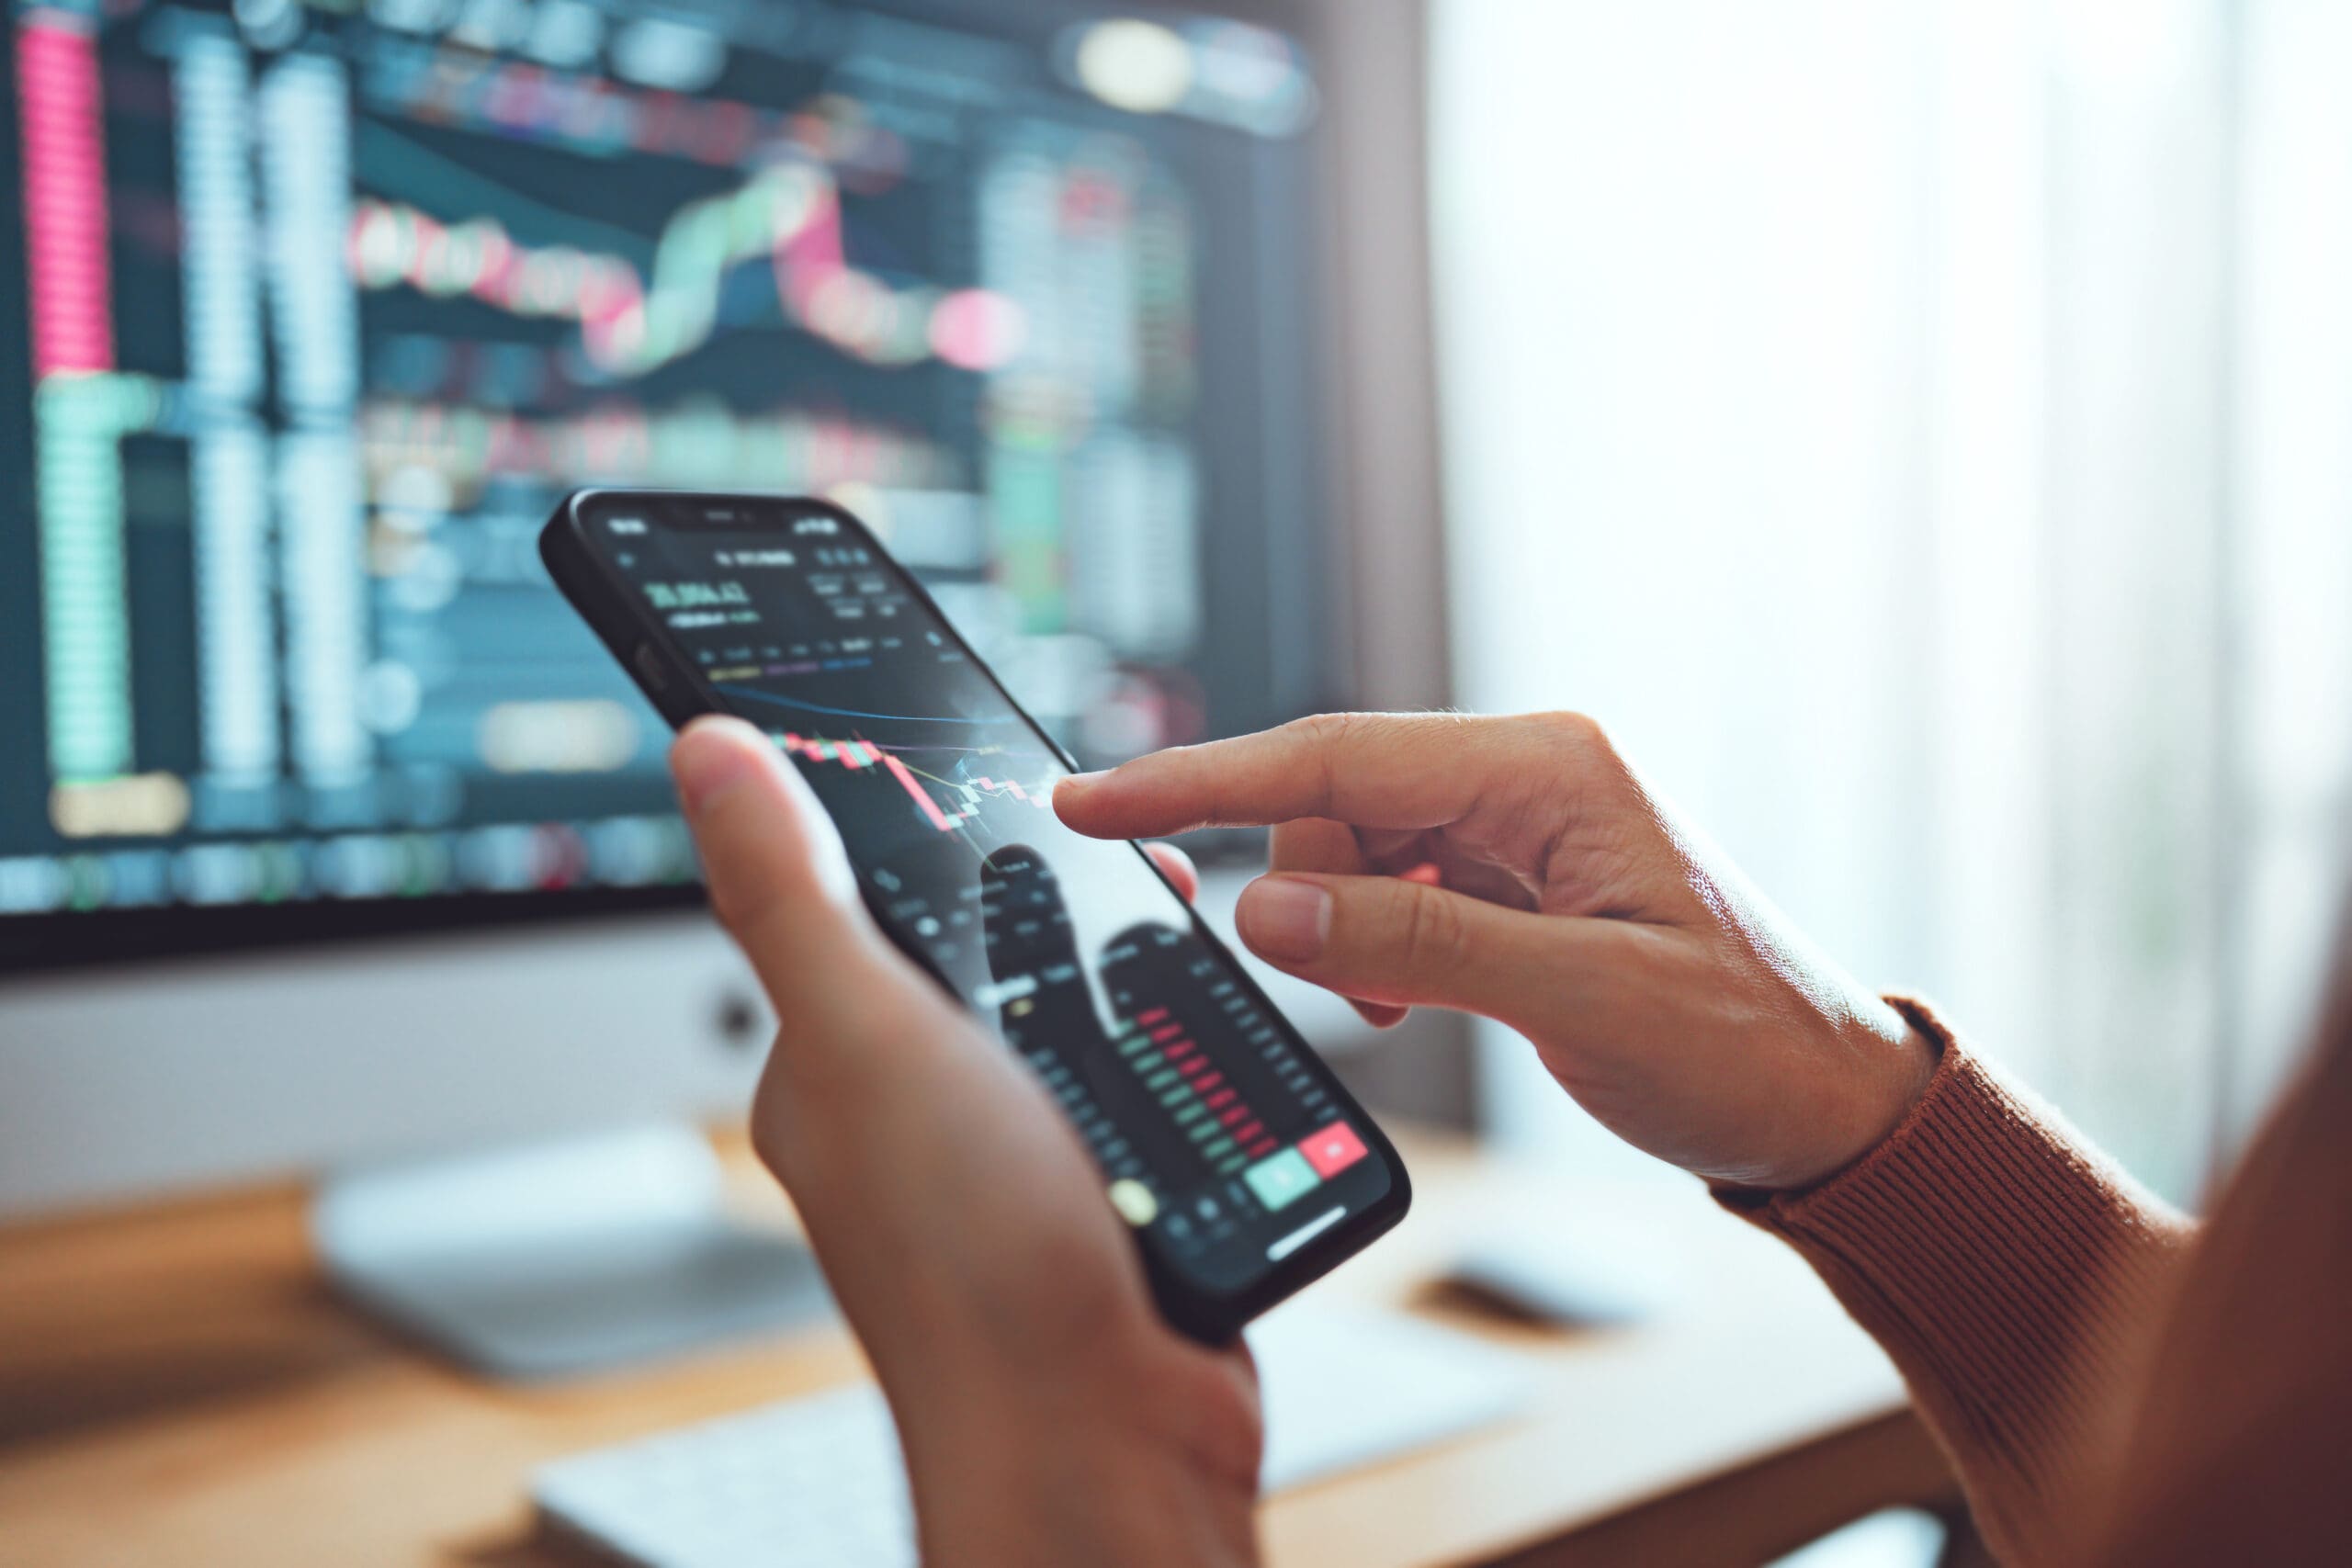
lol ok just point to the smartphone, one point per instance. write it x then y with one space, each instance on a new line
1238 1162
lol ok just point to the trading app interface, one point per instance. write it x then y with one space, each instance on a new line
1215 1133
329 303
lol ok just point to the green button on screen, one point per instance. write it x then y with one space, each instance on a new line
1281 1179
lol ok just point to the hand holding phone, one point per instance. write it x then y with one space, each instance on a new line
1049 1415
1237 1161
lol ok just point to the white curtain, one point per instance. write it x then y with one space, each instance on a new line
1922 429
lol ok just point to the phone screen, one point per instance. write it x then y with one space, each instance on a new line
1220 1137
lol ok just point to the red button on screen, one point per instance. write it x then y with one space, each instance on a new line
1333 1148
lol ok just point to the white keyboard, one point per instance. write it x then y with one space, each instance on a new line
818 1481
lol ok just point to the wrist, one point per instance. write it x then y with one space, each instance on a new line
1897 1063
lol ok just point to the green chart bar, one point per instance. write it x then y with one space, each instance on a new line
86 618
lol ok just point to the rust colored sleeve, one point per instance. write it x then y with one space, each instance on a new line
2015 1277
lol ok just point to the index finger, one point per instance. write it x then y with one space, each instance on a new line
1397 770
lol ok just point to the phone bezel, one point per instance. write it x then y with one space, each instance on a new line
601 596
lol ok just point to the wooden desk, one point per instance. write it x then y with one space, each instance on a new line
178 1385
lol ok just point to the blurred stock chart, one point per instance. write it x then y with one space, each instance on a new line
328 303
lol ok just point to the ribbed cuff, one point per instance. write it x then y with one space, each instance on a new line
2007 1269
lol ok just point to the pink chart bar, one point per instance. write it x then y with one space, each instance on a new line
73 289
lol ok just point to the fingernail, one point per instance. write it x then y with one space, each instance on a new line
1283 918
1080 781
707 766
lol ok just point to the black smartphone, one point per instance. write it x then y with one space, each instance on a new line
1240 1164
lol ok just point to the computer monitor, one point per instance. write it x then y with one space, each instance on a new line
325 834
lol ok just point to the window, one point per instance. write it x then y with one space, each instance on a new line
1919 430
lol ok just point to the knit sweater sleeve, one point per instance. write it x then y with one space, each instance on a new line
2013 1276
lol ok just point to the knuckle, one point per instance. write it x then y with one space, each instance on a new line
1571 731
1324 731
1591 767
1326 741
1431 934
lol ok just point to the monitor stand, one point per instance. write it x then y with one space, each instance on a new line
561 1259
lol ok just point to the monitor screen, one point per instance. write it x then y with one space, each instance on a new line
325 304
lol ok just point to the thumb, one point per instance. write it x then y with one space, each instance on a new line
914 1148
779 879
1385 939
